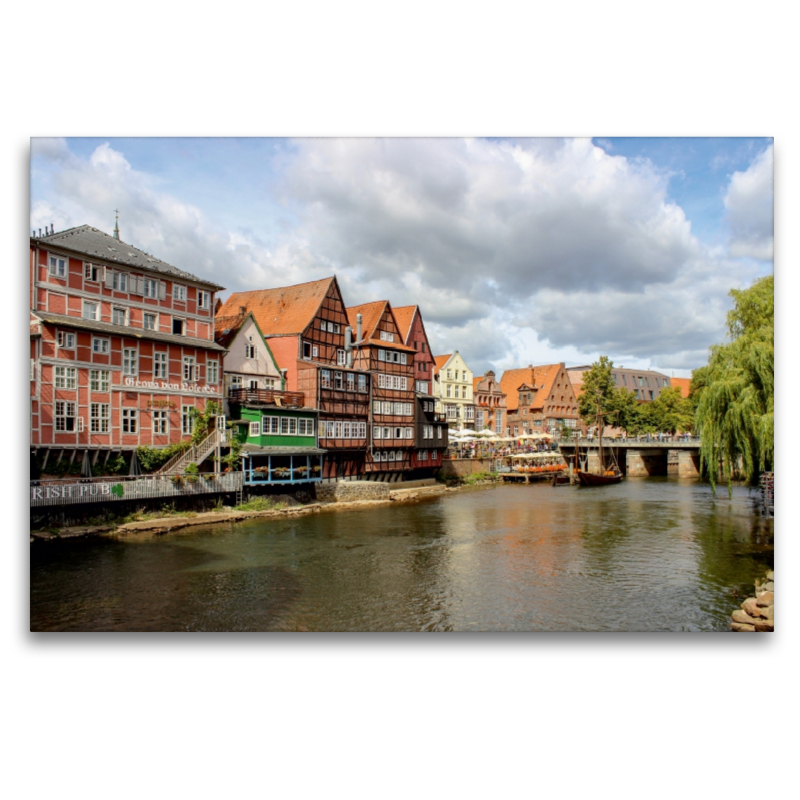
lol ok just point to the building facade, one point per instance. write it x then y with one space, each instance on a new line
121 346
304 326
540 400
430 427
490 404
453 382
646 384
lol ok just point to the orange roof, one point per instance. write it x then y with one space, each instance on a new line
683 384
476 381
440 361
371 314
541 377
404 316
284 311
226 328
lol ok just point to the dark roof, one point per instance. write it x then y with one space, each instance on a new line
94 243
255 450
124 330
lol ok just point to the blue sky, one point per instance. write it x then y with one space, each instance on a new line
518 251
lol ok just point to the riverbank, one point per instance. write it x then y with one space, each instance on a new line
757 613
161 525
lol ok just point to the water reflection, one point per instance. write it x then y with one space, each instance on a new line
655 554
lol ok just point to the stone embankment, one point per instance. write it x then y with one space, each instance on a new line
333 497
757 613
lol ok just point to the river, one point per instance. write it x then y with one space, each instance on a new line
656 554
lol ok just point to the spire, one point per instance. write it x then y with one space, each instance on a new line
116 224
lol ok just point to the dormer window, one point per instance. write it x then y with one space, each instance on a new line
387 336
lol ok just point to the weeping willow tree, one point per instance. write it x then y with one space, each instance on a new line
735 392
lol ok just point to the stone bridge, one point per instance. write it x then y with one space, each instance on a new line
638 457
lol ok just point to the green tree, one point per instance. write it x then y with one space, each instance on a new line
670 411
735 393
598 391
626 409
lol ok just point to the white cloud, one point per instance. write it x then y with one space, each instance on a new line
749 207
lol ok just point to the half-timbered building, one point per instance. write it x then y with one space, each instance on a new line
304 326
121 346
430 428
379 349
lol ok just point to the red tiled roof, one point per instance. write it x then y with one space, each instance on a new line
226 328
371 314
440 361
286 310
683 384
404 316
541 377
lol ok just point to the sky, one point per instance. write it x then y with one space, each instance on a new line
518 251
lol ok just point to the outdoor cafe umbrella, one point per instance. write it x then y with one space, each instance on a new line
135 469
86 466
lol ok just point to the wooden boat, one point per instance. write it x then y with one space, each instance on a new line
560 480
608 476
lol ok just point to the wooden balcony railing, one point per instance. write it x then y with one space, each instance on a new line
272 397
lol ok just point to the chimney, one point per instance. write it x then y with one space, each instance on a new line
242 310
358 328
348 345
40 233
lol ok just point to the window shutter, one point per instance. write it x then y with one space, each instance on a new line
79 421
162 290
137 285
108 278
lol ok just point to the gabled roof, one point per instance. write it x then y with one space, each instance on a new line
226 328
371 314
404 316
440 361
285 311
87 241
541 377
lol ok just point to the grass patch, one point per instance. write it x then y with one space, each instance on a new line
479 477
261 504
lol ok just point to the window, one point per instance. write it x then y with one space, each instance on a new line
381 355
91 310
666 381
269 383
362 384
423 348
422 387
129 366
307 350
423 455
102 346
293 426
255 429
284 425
119 281
99 380
178 292
212 373
305 427
448 390
252 383
651 394
362 430
438 431
337 380
386 407
58 266
160 423
129 420
641 380
338 427
404 358
119 316
150 287
65 416
178 326
150 322
187 419
249 350
329 429
387 336
66 378
376 406
351 382
91 272
315 352
463 376
391 455
203 299
160 367
470 412
100 415
190 370
65 340
325 378
347 429
341 357
408 433
387 433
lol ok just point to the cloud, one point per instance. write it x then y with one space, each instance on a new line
749 209
519 251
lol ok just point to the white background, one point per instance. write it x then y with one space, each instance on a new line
395 715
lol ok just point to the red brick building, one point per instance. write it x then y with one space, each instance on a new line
490 403
539 399
121 346
304 326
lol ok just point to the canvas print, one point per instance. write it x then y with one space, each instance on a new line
401 384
